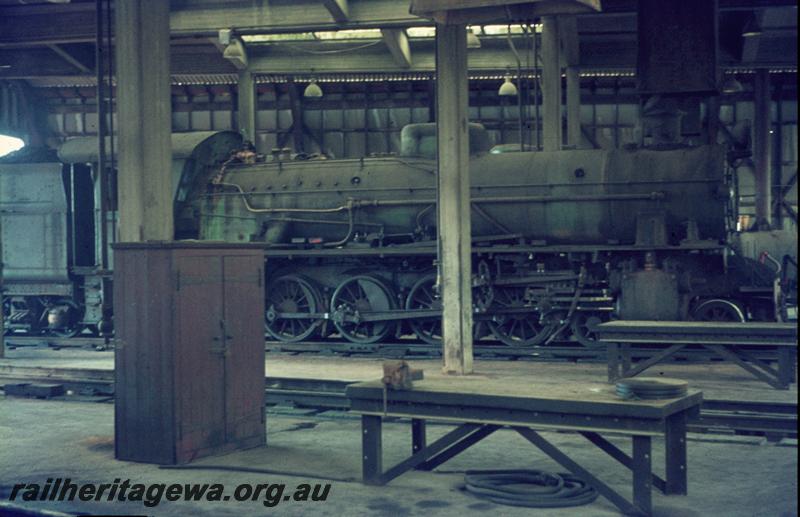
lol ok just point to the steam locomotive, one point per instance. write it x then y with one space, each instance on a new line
561 241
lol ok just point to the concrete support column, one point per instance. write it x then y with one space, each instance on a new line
573 107
551 85
246 105
145 120
453 197
570 58
2 318
761 158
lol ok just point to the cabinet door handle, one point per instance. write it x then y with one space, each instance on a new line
223 348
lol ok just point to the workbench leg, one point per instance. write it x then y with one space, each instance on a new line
418 440
625 352
786 360
675 445
371 450
613 362
642 474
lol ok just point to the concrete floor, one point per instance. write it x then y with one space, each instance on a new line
727 475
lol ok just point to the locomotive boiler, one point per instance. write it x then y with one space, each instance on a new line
561 240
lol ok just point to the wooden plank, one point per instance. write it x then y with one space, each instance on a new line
545 420
566 397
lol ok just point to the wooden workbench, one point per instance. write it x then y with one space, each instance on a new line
483 405
729 340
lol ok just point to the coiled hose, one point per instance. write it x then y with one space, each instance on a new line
530 488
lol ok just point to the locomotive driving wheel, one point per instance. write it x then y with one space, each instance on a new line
288 298
718 310
64 319
356 297
424 296
583 328
512 325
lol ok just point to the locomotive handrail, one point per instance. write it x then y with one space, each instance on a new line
362 203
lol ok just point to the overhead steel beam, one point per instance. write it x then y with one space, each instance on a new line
201 17
397 42
31 25
497 11
69 58
339 9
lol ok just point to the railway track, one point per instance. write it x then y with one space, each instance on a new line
409 349
771 419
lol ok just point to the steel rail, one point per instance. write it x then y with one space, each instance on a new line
562 351
771 419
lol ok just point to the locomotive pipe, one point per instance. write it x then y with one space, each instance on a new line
365 203
473 187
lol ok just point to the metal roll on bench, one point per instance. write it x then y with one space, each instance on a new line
651 388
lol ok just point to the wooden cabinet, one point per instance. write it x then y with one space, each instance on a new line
189 327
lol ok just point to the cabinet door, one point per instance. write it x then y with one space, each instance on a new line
244 365
199 354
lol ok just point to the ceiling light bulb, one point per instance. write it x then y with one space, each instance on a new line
751 28
507 88
731 85
313 90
